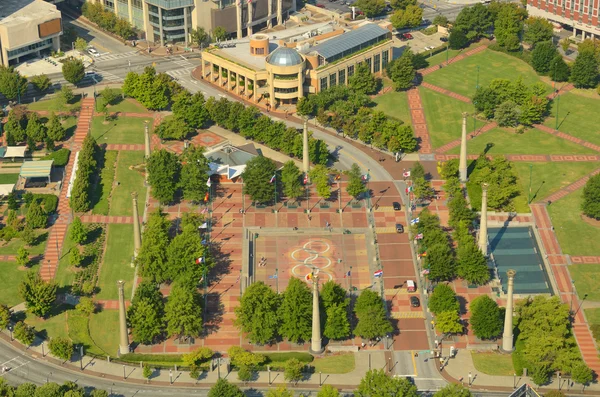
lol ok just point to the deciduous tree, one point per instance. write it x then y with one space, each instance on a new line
372 316
376 383
37 294
290 178
457 39
41 82
371 8
219 33
86 306
328 391
582 374
147 322
537 30
402 4
257 313
584 73
183 311
337 326
363 80
78 231
472 265
12 84
559 70
55 129
296 312
199 36
486 318
152 258
163 169
4 316
402 72
443 299
542 56
24 333
319 175
225 389
61 348
440 261
448 323
292 371
183 254
355 186
22 257
257 179
591 197
194 173
73 70
173 128
409 17
453 390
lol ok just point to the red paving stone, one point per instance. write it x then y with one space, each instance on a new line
425 72
444 91
58 231
567 137
107 219
572 187
588 260
419 123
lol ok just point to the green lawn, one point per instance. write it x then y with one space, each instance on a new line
129 180
122 130
121 105
442 56
461 77
38 247
444 116
337 364
587 280
65 274
593 318
104 331
576 237
55 105
107 177
70 125
117 262
394 104
55 325
6 179
532 141
11 278
493 363
547 178
575 116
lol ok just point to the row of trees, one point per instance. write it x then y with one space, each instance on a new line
591 197
347 110
150 318
108 20
584 73
22 126
266 316
169 174
162 258
153 90
50 389
511 103
86 172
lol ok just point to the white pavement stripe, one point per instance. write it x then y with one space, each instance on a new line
112 57
14 368
14 358
180 72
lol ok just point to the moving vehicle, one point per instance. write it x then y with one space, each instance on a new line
396 206
411 286
399 228
414 301
93 52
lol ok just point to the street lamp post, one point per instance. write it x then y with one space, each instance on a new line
124 375
477 85
529 197
10 329
557 106
514 380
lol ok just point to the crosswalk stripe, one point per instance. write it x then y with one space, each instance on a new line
112 57
398 315
180 72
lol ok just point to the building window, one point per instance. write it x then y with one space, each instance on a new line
368 61
342 76
286 90
31 47
332 79
376 60
259 51
384 58
350 71
323 84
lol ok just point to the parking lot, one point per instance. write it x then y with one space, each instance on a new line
419 41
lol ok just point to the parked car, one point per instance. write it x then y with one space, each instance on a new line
443 39
414 301
320 6
430 47
397 206
399 228
408 36
93 52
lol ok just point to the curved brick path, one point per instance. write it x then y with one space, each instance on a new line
59 230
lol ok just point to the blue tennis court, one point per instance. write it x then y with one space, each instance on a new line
516 248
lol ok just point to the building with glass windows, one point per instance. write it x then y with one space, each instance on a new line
28 29
581 15
170 21
282 73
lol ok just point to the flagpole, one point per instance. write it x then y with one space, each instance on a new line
275 183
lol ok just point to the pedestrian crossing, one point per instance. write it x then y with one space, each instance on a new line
182 61
399 315
180 72
112 57
14 365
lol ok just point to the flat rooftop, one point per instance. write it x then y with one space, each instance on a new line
15 12
241 54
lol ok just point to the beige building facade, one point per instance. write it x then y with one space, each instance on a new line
28 29
282 75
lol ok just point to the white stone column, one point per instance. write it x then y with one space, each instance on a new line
146 141
238 18
185 25
279 12
507 336
300 85
315 340
250 12
483 243
137 236
269 11
123 337
305 158
162 37
583 35
462 167
130 10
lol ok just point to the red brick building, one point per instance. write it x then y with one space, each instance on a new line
582 15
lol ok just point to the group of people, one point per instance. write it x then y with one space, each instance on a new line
263 261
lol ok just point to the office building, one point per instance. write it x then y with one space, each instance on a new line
170 21
28 29
282 73
581 15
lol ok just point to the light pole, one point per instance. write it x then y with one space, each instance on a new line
557 106
514 380
447 53
171 376
477 85
10 329
529 197
48 377
124 375
320 379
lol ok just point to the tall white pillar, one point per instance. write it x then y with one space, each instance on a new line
483 243
507 336
137 235
185 25
160 27
315 340
305 158
269 12
238 18
462 167
123 337
250 12
280 12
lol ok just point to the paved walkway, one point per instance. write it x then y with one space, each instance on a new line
59 230
567 137
107 219
419 123
530 158
460 57
571 188
444 91
482 130
119 147
588 260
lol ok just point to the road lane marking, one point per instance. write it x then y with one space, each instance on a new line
412 354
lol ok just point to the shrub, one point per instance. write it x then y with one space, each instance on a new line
60 157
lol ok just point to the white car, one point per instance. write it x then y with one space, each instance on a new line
93 52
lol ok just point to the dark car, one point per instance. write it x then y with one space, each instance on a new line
443 39
399 228
414 301
397 206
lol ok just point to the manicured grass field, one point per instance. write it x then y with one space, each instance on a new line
51 327
129 180
575 117
593 318
444 116
11 278
55 105
117 262
442 56
547 178
576 237
38 248
461 77
532 141
394 104
337 364
493 363
6 179
107 176
121 105
65 274
587 280
104 330
122 130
